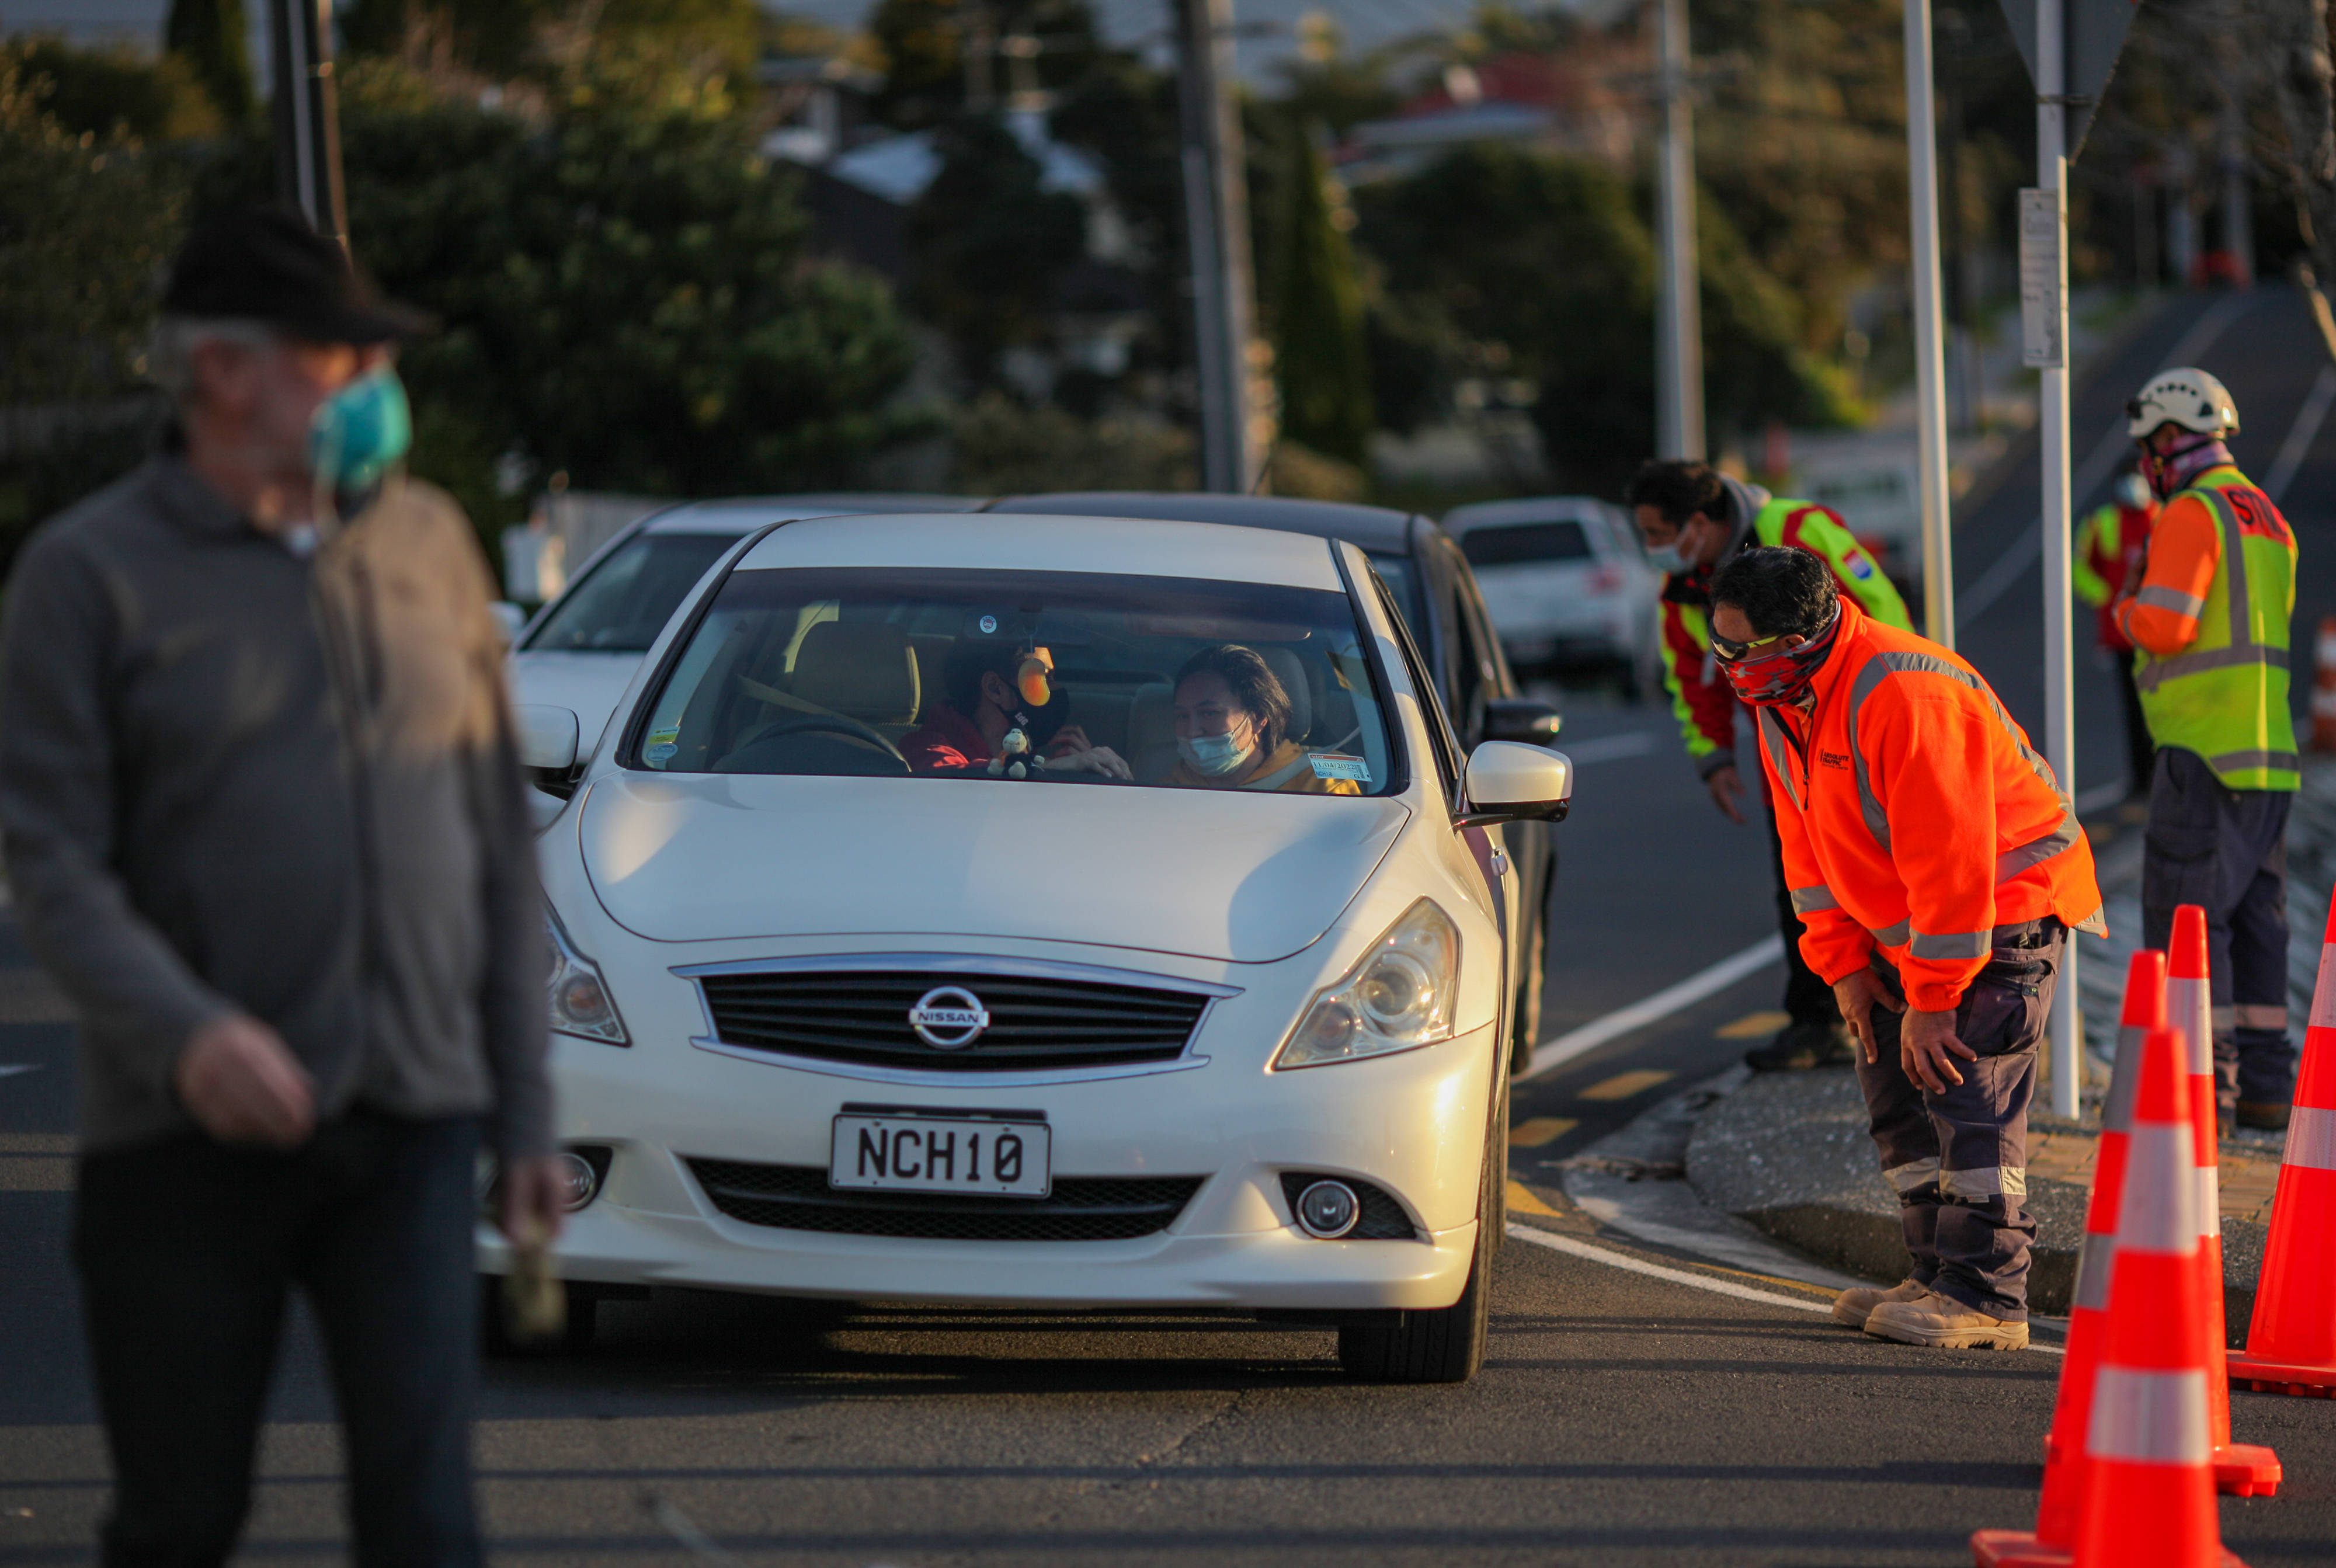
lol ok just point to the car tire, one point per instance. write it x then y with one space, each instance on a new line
1444 1344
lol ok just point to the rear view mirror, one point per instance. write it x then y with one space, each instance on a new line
1526 720
1511 781
547 738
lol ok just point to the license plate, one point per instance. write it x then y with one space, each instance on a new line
940 1155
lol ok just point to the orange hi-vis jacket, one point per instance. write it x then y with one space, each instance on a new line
1916 817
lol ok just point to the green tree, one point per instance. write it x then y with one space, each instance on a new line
1313 307
214 39
989 243
111 91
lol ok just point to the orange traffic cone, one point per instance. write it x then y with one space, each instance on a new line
2150 1496
2291 1343
2324 686
2053 1542
2241 1470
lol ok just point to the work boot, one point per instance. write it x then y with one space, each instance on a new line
2263 1115
1798 1047
1853 1307
1938 1321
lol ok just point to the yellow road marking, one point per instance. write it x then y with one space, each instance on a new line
1752 1024
1541 1130
1622 1086
1522 1201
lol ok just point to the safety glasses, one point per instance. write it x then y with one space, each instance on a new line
1731 652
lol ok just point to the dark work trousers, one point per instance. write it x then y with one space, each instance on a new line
187 1251
1807 998
2140 751
1958 1161
2226 850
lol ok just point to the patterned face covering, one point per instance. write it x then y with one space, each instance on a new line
2169 472
1778 676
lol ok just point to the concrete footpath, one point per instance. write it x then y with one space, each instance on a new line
1788 1152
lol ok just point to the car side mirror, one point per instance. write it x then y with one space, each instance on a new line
1510 780
1525 720
547 738
509 620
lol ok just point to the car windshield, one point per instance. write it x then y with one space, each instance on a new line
1516 543
1107 679
623 603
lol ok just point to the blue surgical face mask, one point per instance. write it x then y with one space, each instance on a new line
360 431
1214 755
1668 558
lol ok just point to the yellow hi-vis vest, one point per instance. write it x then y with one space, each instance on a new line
2225 697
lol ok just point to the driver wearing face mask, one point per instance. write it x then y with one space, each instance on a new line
995 689
1232 724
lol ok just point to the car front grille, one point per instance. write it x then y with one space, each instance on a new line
1080 1208
1036 1021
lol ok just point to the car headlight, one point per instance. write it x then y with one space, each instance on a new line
577 998
1398 995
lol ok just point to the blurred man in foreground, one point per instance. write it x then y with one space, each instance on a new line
265 826
1939 868
1695 520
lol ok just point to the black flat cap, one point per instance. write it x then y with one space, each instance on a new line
265 264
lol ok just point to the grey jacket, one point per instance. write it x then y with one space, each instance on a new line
233 778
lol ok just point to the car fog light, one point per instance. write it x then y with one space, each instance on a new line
1329 1210
583 1182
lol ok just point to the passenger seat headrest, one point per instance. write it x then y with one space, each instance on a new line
1290 671
861 669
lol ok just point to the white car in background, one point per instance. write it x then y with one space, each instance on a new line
826 1026
580 650
1566 584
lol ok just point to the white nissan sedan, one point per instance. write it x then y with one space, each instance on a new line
1040 912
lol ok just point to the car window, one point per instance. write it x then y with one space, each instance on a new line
1494 663
621 604
898 671
1519 543
1440 740
1402 582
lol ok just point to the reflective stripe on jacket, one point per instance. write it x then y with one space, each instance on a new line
2211 620
1915 817
1701 700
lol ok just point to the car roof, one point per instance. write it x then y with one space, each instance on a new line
1050 542
1527 509
1378 528
742 514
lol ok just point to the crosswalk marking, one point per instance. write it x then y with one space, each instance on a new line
1622 1086
1541 1130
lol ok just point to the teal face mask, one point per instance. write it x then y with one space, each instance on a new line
360 431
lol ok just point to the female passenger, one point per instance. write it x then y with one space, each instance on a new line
1232 724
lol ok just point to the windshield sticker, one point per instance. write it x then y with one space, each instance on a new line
1336 765
659 745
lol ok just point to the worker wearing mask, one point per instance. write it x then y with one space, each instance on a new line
2111 545
1940 869
1695 520
2210 618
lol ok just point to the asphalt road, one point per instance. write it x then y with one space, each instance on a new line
1620 1417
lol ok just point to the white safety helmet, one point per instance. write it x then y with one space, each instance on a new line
2189 398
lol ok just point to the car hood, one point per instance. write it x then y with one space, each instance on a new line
589 684
1242 877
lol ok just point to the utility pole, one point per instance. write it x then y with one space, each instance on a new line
1216 225
1930 359
2044 266
307 109
1679 322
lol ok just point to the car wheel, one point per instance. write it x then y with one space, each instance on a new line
1524 1021
1445 1344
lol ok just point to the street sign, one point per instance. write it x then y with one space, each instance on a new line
2041 312
2096 32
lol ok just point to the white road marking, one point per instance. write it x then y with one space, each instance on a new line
2298 445
1610 747
1554 1053
1590 1251
2030 546
10 1069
